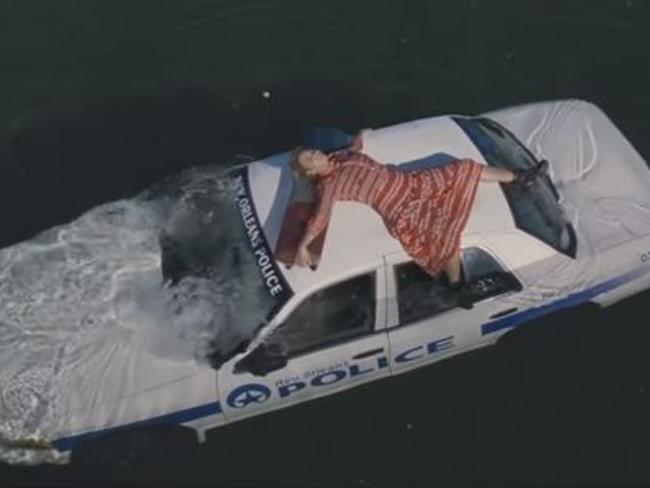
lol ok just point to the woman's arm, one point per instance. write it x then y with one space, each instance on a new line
357 141
318 222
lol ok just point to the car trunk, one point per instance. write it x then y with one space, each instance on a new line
602 180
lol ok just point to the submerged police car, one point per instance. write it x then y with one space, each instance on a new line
579 235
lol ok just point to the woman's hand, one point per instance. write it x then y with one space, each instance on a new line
358 140
364 132
303 257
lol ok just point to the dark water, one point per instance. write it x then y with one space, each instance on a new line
100 99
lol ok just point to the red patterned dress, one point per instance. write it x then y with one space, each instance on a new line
426 210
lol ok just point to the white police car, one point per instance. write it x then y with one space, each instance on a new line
581 235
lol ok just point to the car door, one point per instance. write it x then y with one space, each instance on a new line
424 322
331 340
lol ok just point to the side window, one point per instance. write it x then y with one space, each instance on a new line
421 296
339 312
485 275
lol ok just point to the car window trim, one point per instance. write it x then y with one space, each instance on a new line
379 326
333 343
455 309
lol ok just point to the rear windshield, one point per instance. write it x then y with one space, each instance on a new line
536 211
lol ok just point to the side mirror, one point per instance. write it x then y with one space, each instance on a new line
262 360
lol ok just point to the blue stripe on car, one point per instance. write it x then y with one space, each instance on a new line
570 301
214 408
511 321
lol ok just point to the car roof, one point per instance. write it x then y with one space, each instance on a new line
356 237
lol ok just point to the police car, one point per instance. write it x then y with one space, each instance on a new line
579 235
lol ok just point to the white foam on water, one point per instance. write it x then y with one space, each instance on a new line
74 296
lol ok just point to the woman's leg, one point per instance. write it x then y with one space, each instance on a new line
523 177
489 173
501 175
452 268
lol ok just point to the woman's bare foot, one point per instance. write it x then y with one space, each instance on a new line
524 178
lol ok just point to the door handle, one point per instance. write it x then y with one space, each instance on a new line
504 312
366 354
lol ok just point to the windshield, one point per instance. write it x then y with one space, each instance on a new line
256 258
216 259
535 211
